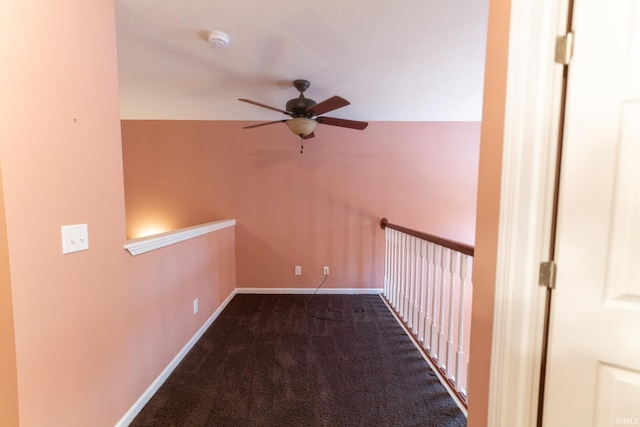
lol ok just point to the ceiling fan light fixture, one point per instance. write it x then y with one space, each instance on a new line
301 126
305 113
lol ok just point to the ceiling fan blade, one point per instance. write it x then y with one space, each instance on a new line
264 106
327 105
351 124
311 135
264 124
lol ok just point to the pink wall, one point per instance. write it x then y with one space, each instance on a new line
92 329
8 372
484 269
158 317
313 209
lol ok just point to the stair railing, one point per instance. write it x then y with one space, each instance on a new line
427 282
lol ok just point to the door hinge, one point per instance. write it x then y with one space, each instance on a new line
547 275
564 48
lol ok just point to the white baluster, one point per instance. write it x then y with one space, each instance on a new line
401 275
400 271
391 266
453 263
389 263
443 278
396 271
414 278
429 287
409 279
423 291
412 283
466 388
461 320
416 284
434 303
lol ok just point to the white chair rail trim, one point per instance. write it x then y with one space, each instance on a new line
157 241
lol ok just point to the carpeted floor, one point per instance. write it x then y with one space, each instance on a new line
266 362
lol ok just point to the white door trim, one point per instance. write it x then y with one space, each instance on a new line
534 89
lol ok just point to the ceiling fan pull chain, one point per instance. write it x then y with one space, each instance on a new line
301 144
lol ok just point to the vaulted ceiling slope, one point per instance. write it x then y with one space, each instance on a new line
394 60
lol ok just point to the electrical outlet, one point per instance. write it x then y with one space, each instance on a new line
298 270
325 270
195 306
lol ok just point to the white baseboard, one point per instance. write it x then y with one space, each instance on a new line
155 385
343 291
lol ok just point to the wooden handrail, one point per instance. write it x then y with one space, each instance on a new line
456 246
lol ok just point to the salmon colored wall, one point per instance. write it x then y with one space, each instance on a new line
159 302
8 373
484 269
313 209
92 329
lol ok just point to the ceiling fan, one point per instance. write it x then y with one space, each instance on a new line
304 111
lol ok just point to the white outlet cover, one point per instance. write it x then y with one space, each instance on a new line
298 270
195 306
75 238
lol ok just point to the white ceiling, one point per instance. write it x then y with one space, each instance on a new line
394 60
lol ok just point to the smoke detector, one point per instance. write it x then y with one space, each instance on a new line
219 38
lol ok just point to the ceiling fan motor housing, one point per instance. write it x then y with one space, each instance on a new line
298 106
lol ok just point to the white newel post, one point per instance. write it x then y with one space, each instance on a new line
387 253
396 270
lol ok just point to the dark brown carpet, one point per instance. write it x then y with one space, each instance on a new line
265 362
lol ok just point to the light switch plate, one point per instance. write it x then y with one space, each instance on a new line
75 238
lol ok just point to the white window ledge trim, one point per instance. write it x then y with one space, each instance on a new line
149 243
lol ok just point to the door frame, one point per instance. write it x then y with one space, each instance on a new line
531 129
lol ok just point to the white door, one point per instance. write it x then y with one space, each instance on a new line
593 371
